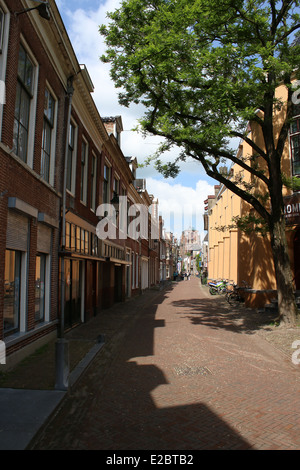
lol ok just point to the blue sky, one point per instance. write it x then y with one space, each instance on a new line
181 200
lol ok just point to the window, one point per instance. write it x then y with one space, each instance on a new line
106 184
78 239
84 172
295 141
22 105
86 242
12 291
82 244
94 245
68 235
93 182
40 276
71 159
73 238
128 216
116 186
49 105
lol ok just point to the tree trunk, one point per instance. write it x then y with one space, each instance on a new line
286 296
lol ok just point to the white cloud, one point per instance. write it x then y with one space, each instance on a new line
83 29
184 202
180 206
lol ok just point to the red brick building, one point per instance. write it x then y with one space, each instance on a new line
60 161
32 135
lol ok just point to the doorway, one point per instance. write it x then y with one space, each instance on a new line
73 292
118 284
91 297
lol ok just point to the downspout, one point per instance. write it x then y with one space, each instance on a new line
70 91
62 346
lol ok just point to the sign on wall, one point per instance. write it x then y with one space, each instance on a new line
292 209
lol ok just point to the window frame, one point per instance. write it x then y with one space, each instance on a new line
106 193
84 159
116 185
72 146
31 94
294 133
93 197
53 130
43 280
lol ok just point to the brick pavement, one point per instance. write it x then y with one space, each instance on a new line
182 376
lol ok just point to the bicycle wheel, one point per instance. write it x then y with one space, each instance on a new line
212 291
235 299
227 295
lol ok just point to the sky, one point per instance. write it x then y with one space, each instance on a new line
181 200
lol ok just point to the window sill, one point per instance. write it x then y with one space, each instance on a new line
20 336
9 152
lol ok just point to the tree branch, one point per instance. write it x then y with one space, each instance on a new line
287 34
252 144
252 200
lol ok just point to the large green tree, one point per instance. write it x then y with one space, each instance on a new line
203 70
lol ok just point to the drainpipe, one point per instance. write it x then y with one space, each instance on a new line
62 345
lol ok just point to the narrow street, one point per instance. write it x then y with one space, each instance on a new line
184 377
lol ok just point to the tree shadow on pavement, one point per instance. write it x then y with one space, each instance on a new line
128 417
217 313
129 400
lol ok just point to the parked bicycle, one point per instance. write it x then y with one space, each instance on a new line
236 296
218 287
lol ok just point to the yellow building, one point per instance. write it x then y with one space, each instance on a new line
238 256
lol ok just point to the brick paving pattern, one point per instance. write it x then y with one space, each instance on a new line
181 375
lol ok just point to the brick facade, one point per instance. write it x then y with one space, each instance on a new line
97 272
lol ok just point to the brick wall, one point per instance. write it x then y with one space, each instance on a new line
19 181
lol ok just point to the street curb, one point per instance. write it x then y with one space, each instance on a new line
84 363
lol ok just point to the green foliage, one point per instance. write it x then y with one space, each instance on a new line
204 70
198 260
291 182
